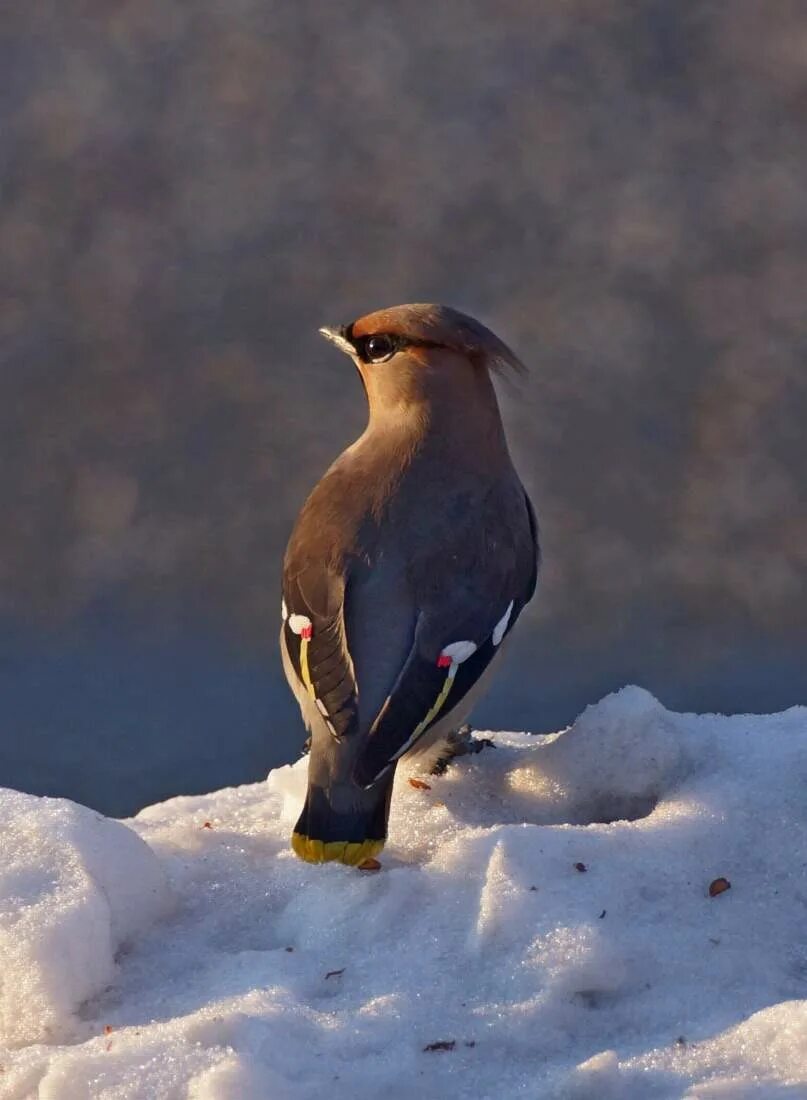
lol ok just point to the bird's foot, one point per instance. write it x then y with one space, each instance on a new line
459 742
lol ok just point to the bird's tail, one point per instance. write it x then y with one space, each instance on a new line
343 823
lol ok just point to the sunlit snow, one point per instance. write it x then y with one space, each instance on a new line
542 927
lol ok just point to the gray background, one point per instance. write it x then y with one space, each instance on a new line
189 190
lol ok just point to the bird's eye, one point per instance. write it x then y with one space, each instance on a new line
377 349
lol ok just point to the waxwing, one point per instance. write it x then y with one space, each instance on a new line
408 566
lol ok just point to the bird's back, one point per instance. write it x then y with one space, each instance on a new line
400 542
380 619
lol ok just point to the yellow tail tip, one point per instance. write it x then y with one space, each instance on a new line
343 851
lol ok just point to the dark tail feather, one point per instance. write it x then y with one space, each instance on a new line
343 823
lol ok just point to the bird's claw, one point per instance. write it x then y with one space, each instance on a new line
460 743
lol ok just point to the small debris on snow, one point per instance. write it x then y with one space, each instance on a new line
335 973
440 1045
419 784
718 886
581 867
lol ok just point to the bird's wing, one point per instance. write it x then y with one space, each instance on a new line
314 633
456 637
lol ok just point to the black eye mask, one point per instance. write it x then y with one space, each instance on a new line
378 347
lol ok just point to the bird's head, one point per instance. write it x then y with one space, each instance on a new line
417 354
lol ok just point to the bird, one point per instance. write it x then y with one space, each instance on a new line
406 569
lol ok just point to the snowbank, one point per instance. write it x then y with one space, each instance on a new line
542 927
74 887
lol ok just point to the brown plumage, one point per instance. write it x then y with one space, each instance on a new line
409 563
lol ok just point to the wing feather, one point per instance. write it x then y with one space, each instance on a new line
314 633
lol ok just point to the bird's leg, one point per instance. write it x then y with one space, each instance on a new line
460 742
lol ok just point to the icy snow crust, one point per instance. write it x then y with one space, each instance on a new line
544 907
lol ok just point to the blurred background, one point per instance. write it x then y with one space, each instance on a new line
189 190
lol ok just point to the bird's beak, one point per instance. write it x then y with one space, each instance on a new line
337 336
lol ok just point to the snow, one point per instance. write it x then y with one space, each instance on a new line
74 888
543 910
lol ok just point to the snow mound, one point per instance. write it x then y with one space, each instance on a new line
543 926
74 887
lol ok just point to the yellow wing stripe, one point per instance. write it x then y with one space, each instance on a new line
304 669
437 706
